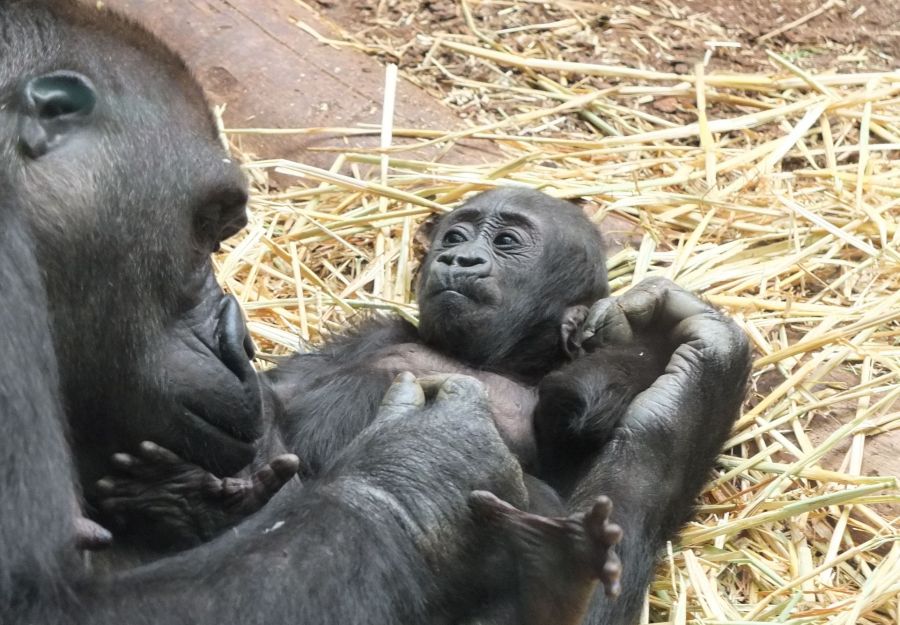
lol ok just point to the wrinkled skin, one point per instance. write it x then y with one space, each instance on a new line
385 536
120 371
125 191
503 292
659 456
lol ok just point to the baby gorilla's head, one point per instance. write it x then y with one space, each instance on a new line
499 275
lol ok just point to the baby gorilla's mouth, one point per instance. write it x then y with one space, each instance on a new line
480 292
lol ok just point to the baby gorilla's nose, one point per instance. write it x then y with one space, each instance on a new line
469 261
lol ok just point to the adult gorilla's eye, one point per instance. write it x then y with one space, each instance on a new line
454 237
506 240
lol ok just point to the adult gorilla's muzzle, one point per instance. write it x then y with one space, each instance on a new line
208 376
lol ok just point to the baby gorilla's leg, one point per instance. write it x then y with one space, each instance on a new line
560 559
179 504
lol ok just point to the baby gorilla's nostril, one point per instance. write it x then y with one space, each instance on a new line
470 261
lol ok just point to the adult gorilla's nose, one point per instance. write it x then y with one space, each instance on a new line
235 346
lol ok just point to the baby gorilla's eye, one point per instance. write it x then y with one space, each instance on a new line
506 240
454 237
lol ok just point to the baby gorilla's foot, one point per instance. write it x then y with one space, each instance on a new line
159 494
560 559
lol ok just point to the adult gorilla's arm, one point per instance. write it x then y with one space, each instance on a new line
383 535
655 465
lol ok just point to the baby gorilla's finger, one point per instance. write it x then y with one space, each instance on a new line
606 324
91 536
114 488
285 466
269 480
611 575
129 464
603 536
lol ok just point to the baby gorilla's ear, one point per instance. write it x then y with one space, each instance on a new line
572 331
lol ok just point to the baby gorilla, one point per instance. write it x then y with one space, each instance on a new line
503 290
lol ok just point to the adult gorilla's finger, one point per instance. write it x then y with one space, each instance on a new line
660 303
723 343
657 409
453 387
403 397
606 324
656 304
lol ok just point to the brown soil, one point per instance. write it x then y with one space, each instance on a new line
657 34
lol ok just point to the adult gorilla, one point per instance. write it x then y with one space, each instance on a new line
114 162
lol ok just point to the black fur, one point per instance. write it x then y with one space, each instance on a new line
120 191
114 161
37 530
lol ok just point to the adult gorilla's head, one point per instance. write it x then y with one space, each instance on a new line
113 154
501 271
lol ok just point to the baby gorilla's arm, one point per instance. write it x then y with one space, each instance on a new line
178 504
580 404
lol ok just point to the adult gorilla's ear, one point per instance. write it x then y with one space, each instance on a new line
53 106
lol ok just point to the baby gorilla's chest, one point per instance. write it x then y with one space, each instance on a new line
512 403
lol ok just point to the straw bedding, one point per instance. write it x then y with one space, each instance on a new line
774 193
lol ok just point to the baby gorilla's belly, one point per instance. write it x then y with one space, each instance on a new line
512 404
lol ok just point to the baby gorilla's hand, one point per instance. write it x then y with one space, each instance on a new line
179 504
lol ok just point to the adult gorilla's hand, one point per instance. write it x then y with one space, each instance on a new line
434 442
683 418
661 453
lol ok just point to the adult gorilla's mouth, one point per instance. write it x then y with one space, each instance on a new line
216 391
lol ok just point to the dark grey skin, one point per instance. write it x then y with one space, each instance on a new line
659 455
503 292
662 451
415 553
125 190
591 417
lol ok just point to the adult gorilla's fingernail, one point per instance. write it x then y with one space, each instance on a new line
404 377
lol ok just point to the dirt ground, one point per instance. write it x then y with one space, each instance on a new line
845 35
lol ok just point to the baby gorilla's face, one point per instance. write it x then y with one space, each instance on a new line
502 269
479 279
